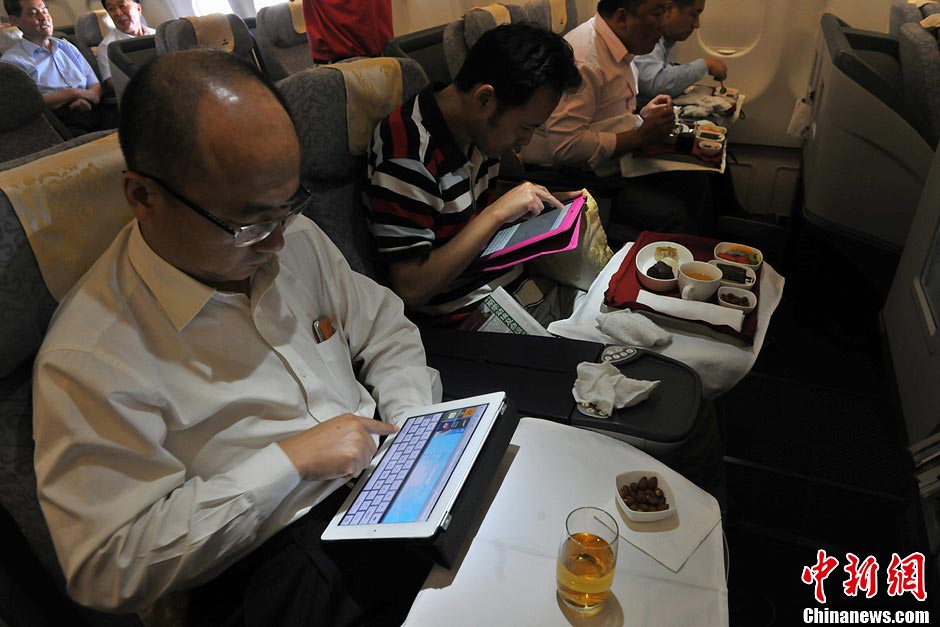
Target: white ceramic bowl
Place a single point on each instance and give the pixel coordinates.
(646, 258)
(709, 148)
(749, 296)
(753, 261)
(627, 478)
(750, 277)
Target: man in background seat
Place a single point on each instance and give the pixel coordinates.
(188, 420)
(67, 83)
(126, 15)
(433, 165)
(595, 126)
(658, 71)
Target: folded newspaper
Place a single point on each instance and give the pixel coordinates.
(501, 313)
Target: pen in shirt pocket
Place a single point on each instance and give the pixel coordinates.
(323, 329)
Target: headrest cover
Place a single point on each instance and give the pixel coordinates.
(9, 35)
(213, 31)
(559, 15)
(920, 3)
(71, 205)
(373, 90)
(297, 16)
(931, 21)
(105, 23)
(499, 13)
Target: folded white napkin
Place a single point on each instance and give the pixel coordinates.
(604, 386)
(632, 329)
(692, 309)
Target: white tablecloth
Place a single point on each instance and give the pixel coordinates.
(507, 573)
(720, 364)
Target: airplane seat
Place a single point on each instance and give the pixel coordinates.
(92, 27)
(902, 12)
(920, 63)
(427, 48)
(559, 16)
(282, 37)
(460, 35)
(26, 126)
(127, 56)
(864, 162)
(216, 31)
(334, 122)
(57, 215)
(9, 35)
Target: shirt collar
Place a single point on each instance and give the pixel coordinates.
(434, 121)
(616, 47)
(180, 295)
(32, 48)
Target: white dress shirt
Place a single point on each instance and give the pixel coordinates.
(104, 62)
(159, 401)
(572, 135)
(660, 74)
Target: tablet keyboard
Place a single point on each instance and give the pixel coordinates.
(373, 501)
(499, 241)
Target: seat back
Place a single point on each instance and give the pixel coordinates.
(334, 121)
(282, 37)
(427, 48)
(920, 63)
(901, 12)
(460, 35)
(217, 31)
(24, 128)
(9, 35)
(127, 56)
(57, 215)
(92, 27)
(559, 16)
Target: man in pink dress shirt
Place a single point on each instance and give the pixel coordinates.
(593, 127)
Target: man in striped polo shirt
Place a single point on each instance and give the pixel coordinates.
(433, 166)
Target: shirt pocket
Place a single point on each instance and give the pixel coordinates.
(333, 389)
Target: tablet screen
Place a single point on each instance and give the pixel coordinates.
(414, 470)
(545, 222)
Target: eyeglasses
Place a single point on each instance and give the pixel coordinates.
(250, 233)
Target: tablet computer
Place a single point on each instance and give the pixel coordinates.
(547, 224)
(410, 487)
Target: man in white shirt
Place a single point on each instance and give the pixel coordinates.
(126, 15)
(185, 413)
(658, 71)
(596, 125)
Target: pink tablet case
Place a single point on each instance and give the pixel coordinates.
(572, 217)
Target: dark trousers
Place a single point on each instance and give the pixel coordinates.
(296, 579)
(100, 118)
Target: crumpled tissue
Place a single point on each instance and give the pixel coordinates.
(606, 388)
(632, 329)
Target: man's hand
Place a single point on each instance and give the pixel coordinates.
(524, 200)
(716, 68)
(340, 447)
(658, 120)
(80, 104)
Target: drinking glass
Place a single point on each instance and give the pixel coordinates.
(587, 558)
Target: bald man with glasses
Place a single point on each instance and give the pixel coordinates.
(208, 387)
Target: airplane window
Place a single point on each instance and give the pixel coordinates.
(727, 30)
(205, 7)
(930, 279)
(260, 4)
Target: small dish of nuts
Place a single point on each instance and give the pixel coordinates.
(644, 496)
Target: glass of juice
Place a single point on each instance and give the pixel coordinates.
(587, 558)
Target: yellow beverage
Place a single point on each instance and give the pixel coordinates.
(585, 572)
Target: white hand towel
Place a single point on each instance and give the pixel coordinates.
(606, 388)
(632, 329)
